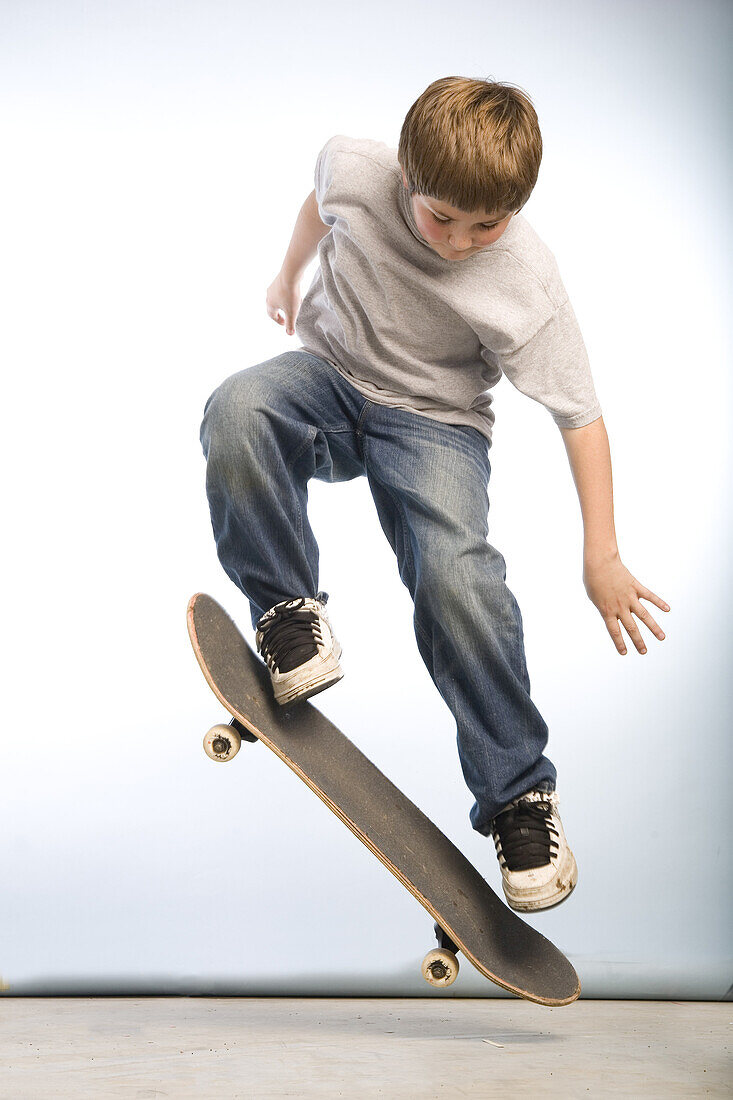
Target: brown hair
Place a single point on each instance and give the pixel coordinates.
(474, 144)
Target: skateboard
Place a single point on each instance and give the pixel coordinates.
(468, 915)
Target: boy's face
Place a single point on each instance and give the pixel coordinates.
(455, 234)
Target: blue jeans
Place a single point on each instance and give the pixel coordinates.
(268, 429)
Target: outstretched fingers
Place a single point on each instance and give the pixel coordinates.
(615, 621)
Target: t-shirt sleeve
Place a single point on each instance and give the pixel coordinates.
(323, 175)
(552, 368)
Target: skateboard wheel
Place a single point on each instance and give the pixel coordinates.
(440, 967)
(222, 743)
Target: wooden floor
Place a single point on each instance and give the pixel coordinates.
(208, 1048)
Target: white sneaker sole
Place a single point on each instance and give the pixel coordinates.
(292, 690)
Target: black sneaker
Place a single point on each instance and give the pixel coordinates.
(298, 646)
(538, 869)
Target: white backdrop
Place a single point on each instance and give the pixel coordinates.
(155, 158)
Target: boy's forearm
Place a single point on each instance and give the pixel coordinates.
(590, 461)
(309, 230)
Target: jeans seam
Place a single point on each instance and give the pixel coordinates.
(290, 463)
(423, 634)
(405, 531)
(397, 503)
(365, 408)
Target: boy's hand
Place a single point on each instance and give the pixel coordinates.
(283, 296)
(616, 594)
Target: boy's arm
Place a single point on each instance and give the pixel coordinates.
(590, 462)
(309, 230)
(283, 294)
(609, 584)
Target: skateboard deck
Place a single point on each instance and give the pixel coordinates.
(469, 916)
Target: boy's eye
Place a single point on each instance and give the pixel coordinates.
(443, 221)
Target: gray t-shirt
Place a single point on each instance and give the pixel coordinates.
(412, 330)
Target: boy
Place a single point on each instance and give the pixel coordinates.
(430, 286)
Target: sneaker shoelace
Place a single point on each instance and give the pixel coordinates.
(525, 833)
(290, 637)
